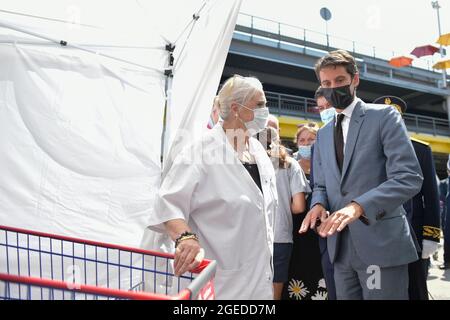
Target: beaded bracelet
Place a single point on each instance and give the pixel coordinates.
(185, 236)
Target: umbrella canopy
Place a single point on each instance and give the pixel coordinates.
(401, 61)
(422, 51)
(444, 39)
(441, 65)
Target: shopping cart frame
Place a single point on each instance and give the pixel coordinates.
(206, 271)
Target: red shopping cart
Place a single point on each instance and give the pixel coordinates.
(42, 266)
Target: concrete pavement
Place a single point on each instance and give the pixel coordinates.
(438, 280)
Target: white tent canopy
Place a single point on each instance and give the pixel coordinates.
(81, 132)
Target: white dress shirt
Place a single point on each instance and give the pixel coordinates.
(347, 112)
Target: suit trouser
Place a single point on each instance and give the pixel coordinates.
(356, 280)
(418, 270)
(327, 269)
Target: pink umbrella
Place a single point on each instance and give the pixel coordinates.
(427, 50)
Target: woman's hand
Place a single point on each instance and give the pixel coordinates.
(188, 256)
(188, 253)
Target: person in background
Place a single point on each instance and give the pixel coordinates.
(442, 193)
(327, 114)
(305, 138)
(422, 211)
(274, 123)
(445, 198)
(214, 116)
(305, 270)
(291, 187)
(220, 196)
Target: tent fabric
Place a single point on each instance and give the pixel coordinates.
(80, 135)
(190, 109)
(76, 155)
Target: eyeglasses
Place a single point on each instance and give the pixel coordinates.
(309, 124)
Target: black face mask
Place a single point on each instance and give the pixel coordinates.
(339, 97)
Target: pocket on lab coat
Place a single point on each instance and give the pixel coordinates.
(232, 283)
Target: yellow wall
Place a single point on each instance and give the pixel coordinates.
(441, 144)
(288, 126)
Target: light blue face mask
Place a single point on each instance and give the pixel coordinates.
(327, 115)
(304, 152)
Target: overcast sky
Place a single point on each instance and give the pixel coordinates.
(390, 25)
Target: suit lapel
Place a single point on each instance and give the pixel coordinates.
(356, 121)
(329, 149)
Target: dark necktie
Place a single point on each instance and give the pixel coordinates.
(339, 141)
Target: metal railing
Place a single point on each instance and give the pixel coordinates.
(425, 124)
(291, 105)
(286, 33)
(306, 108)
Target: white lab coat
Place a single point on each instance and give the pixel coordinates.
(219, 200)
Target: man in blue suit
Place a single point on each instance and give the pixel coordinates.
(364, 170)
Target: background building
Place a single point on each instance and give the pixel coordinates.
(283, 56)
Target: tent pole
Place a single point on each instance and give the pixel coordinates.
(84, 45)
(66, 44)
(169, 74)
(170, 47)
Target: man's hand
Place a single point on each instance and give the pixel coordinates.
(187, 256)
(317, 212)
(339, 219)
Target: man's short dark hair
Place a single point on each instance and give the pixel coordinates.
(319, 93)
(335, 59)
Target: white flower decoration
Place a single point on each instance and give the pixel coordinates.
(297, 289)
(320, 295)
(322, 284)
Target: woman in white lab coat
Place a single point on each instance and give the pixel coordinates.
(220, 195)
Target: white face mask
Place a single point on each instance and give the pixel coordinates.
(259, 122)
(327, 115)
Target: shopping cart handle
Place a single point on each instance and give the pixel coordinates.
(201, 266)
(205, 278)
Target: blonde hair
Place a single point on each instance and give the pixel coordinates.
(236, 89)
(310, 126)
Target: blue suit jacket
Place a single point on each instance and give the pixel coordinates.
(380, 172)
